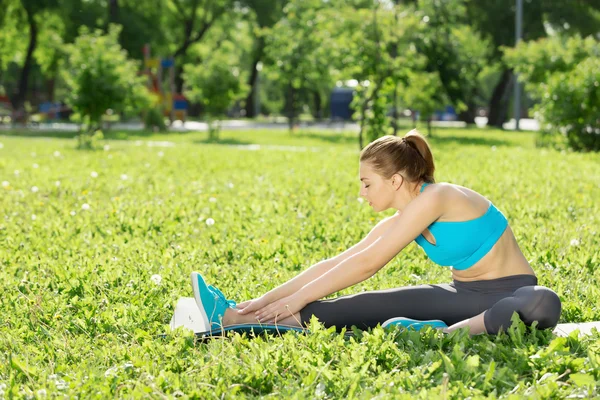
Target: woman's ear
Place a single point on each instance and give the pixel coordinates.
(397, 178)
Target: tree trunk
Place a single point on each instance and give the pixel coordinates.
(469, 114)
(499, 102)
(291, 106)
(317, 112)
(395, 111)
(19, 98)
(429, 133)
(113, 11)
(258, 54)
(50, 84)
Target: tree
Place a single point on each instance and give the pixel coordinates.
(563, 74)
(496, 21)
(101, 77)
(188, 23)
(266, 13)
(32, 9)
(298, 52)
(217, 83)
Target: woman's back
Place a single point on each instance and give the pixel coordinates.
(474, 212)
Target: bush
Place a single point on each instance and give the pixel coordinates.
(155, 119)
(564, 76)
(99, 77)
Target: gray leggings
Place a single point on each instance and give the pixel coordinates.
(451, 303)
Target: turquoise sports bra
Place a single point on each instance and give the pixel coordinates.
(461, 244)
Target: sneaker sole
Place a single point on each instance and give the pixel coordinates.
(194, 276)
(436, 323)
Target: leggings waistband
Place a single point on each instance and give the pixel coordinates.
(498, 284)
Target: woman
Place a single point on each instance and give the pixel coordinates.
(455, 226)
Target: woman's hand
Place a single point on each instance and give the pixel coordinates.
(281, 309)
(252, 305)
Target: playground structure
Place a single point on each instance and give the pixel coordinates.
(174, 105)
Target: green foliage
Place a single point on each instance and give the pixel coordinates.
(218, 82)
(86, 141)
(81, 315)
(154, 119)
(563, 74)
(453, 49)
(100, 77)
(298, 52)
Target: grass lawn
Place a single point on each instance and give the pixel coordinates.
(83, 232)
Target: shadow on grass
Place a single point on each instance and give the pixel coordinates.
(338, 138)
(225, 141)
(462, 140)
(109, 135)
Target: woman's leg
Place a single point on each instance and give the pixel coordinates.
(367, 309)
(532, 303)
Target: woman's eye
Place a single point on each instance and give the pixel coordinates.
(366, 186)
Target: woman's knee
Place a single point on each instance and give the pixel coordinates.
(532, 303)
(539, 303)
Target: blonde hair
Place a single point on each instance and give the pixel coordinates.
(409, 155)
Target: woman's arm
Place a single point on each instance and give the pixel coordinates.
(322, 267)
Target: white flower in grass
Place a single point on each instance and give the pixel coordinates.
(5, 183)
(41, 393)
(230, 185)
(212, 200)
(106, 147)
(494, 148)
(124, 177)
(17, 172)
(575, 242)
(210, 221)
(360, 200)
(61, 384)
(57, 183)
(94, 174)
(72, 213)
(156, 279)
(57, 153)
(1, 146)
(35, 166)
(161, 154)
(147, 165)
(85, 206)
(33, 217)
(34, 189)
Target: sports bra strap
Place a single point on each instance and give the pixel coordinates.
(424, 185)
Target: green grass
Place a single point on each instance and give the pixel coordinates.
(80, 315)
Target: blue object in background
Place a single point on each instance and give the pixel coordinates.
(341, 97)
(180, 104)
(448, 114)
(166, 62)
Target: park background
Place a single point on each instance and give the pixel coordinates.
(142, 140)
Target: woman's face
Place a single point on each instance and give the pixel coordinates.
(383, 194)
(378, 191)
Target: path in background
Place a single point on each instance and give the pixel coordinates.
(178, 126)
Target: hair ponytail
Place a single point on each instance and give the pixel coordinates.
(410, 155)
(419, 142)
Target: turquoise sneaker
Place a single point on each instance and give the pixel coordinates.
(211, 302)
(414, 323)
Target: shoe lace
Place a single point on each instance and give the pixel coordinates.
(221, 296)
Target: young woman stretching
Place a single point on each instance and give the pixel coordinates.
(454, 225)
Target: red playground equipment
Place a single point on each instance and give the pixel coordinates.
(174, 105)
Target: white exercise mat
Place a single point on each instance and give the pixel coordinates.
(187, 315)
